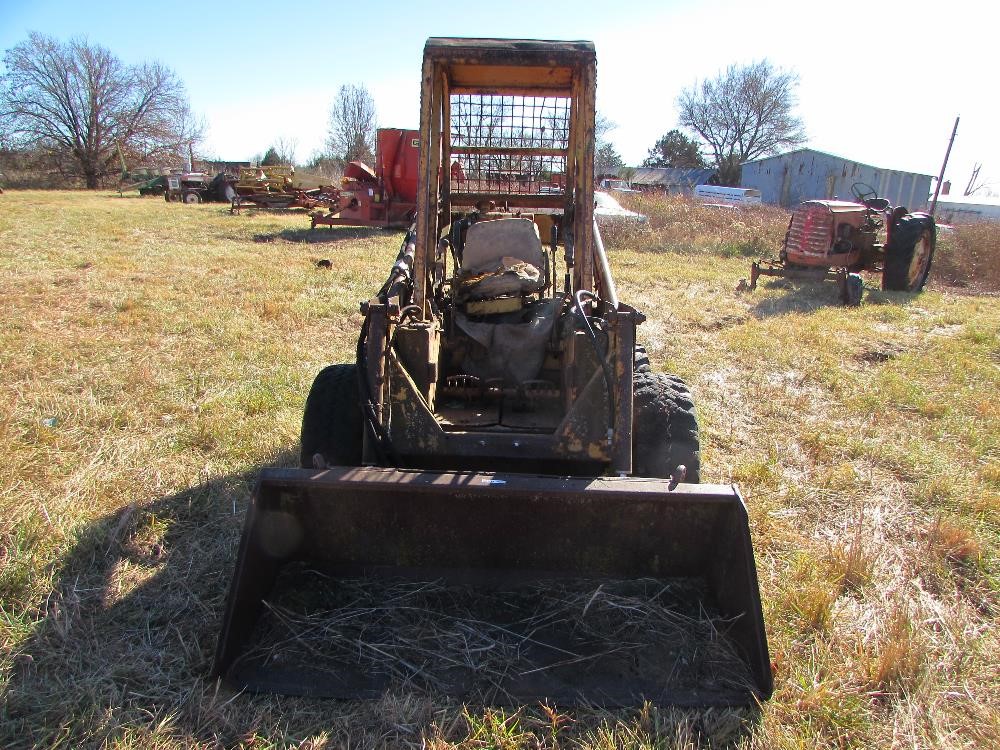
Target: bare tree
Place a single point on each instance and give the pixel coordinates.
(743, 113)
(80, 103)
(286, 148)
(602, 126)
(351, 134)
(606, 158)
(975, 184)
(188, 130)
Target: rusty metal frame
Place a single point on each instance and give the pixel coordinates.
(367, 521)
(832, 266)
(440, 507)
(554, 68)
(552, 65)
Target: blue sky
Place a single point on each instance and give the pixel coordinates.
(880, 83)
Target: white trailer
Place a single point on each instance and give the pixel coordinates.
(727, 196)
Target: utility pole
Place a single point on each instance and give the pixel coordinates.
(937, 189)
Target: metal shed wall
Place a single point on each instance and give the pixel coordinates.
(961, 210)
(805, 174)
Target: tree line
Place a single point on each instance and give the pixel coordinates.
(81, 109)
(84, 112)
(75, 109)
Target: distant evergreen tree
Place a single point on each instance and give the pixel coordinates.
(271, 158)
(607, 160)
(675, 150)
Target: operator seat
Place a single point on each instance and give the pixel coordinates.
(503, 263)
(501, 257)
(488, 242)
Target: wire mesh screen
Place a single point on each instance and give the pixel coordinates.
(509, 144)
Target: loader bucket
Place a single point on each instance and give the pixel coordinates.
(505, 587)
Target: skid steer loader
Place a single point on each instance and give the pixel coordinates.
(499, 498)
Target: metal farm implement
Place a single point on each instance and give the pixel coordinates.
(839, 239)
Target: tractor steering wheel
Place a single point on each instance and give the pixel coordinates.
(863, 192)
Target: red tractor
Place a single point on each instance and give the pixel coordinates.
(833, 238)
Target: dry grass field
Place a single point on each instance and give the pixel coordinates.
(154, 356)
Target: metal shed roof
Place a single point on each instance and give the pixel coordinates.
(668, 176)
(831, 156)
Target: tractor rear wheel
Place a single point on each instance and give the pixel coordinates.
(664, 428)
(332, 423)
(909, 252)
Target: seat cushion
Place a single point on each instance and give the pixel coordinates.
(487, 243)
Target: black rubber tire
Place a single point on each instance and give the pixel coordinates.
(664, 427)
(331, 422)
(640, 360)
(909, 253)
(854, 289)
(192, 198)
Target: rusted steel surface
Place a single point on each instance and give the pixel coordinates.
(361, 210)
(623, 324)
(381, 197)
(579, 443)
(348, 522)
(276, 201)
(512, 200)
(535, 381)
(428, 191)
(800, 273)
(832, 238)
(505, 52)
(811, 230)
